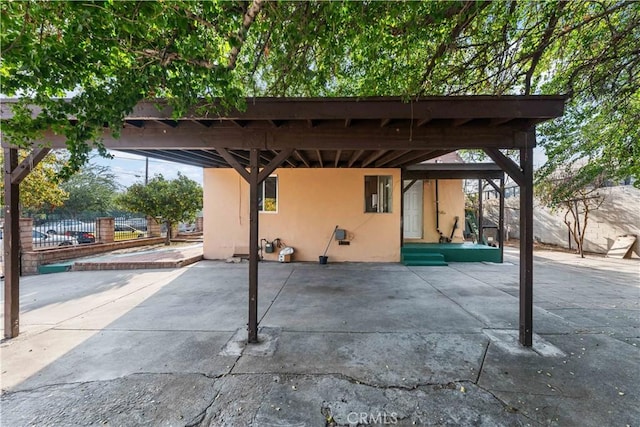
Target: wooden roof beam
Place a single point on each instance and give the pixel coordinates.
(191, 136)
(444, 107)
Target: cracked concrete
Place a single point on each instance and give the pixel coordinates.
(341, 345)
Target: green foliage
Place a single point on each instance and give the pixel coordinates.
(107, 56)
(40, 189)
(93, 189)
(169, 201)
(270, 204)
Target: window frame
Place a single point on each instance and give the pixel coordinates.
(382, 198)
(262, 188)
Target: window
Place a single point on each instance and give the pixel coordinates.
(377, 194)
(268, 195)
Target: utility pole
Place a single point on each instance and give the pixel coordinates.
(146, 171)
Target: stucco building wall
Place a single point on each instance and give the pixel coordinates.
(451, 204)
(311, 202)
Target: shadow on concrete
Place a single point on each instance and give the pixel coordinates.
(420, 345)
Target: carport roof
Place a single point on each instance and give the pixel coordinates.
(329, 132)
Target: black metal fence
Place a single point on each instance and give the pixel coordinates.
(67, 232)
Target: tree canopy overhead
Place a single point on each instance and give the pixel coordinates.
(107, 56)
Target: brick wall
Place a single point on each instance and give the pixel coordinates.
(106, 230)
(26, 234)
(33, 259)
(153, 227)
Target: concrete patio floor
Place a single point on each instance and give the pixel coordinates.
(341, 344)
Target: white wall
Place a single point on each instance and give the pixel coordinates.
(618, 215)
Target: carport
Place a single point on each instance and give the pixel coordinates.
(313, 133)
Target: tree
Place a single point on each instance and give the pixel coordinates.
(93, 189)
(578, 199)
(40, 189)
(108, 56)
(170, 201)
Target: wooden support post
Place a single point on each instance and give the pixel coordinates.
(501, 221)
(480, 214)
(402, 210)
(11, 246)
(526, 246)
(253, 244)
(254, 177)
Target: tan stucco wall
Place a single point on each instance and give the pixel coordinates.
(451, 205)
(311, 202)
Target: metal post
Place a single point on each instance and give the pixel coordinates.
(501, 221)
(526, 246)
(253, 244)
(480, 214)
(11, 247)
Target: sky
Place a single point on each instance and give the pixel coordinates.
(130, 168)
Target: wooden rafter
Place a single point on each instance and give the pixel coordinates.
(354, 157)
(424, 121)
(337, 161)
(319, 154)
(413, 155)
(383, 161)
(303, 158)
(373, 157)
(287, 160)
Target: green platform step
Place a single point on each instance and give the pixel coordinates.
(423, 259)
(55, 268)
(439, 254)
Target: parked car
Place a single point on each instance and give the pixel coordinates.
(184, 227)
(126, 232)
(137, 223)
(83, 237)
(62, 226)
(41, 240)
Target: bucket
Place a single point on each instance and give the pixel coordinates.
(323, 259)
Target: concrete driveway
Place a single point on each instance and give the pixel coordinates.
(341, 344)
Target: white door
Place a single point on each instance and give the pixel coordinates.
(413, 211)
